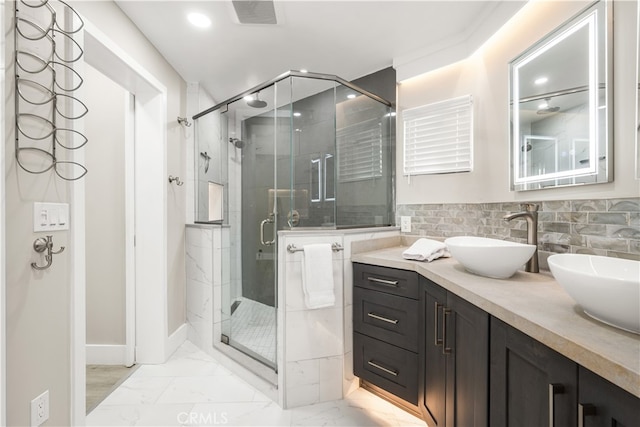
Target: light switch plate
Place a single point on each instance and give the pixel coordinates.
(50, 217)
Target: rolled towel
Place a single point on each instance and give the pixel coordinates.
(426, 250)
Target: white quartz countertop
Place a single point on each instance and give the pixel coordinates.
(534, 304)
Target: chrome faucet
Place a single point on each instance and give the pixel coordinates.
(530, 213)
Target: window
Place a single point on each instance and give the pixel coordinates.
(438, 137)
(360, 151)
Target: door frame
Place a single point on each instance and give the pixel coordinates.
(3, 374)
(146, 333)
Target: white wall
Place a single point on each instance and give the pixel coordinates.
(109, 19)
(37, 302)
(3, 371)
(485, 76)
(105, 209)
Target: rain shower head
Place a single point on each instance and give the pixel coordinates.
(546, 108)
(256, 102)
(237, 143)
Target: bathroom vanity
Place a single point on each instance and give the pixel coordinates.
(386, 331)
(490, 352)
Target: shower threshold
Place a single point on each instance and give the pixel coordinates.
(253, 330)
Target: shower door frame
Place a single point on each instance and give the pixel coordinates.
(293, 73)
(223, 107)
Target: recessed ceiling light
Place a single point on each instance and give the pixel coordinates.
(543, 106)
(351, 95)
(541, 80)
(199, 20)
(304, 70)
(296, 114)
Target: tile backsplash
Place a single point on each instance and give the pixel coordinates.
(609, 227)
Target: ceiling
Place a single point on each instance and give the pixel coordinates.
(347, 38)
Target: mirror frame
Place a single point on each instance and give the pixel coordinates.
(600, 164)
(638, 91)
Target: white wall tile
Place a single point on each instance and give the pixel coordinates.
(313, 333)
(331, 378)
(304, 372)
(199, 236)
(198, 264)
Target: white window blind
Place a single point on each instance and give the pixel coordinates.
(360, 151)
(438, 137)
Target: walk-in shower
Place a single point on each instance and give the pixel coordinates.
(303, 150)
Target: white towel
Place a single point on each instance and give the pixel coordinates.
(426, 250)
(317, 276)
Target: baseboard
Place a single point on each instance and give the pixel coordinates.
(176, 339)
(400, 403)
(101, 354)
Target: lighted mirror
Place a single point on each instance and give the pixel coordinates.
(561, 105)
(638, 92)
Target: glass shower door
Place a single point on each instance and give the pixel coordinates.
(250, 300)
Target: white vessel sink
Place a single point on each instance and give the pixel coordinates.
(608, 289)
(495, 258)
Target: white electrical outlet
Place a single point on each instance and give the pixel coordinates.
(405, 224)
(40, 409)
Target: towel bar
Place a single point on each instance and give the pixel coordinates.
(335, 247)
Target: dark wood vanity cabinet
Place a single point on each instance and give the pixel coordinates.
(444, 359)
(387, 332)
(603, 404)
(531, 385)
(455, 360)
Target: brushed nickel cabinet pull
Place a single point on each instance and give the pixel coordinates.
(384, 319)
(437, 340)
(585, 410)
(553, 390)
(445, 312)
(382, 368)
(393, 283)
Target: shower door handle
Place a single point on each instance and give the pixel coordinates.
(262, 224)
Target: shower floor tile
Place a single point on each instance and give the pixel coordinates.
(253, 325)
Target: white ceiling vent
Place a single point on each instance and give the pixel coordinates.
(255, 11)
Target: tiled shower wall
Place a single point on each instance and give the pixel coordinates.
(609, 227)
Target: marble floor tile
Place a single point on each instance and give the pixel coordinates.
(192, 389)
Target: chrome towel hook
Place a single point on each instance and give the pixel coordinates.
(175, 179)
(42, 244)
(183, 121)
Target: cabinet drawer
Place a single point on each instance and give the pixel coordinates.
(392, 368)
(386, 317)
(389, 280)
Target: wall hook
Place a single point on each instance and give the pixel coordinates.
(175, 179)
(42, 244)
(183, 121)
